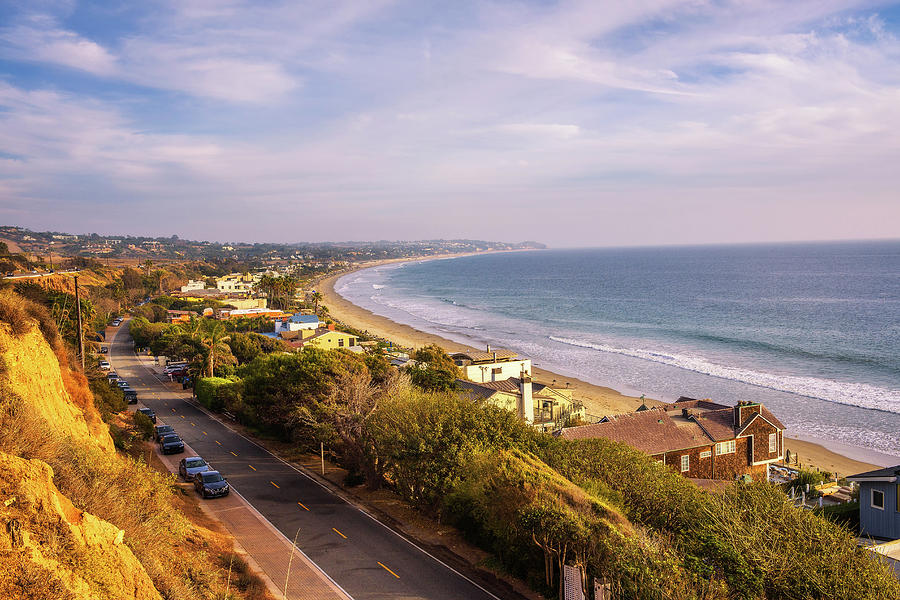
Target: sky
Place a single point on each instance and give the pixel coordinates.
(570, 123)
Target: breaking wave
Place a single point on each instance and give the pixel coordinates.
(829, 390)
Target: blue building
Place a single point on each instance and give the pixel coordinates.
(879, 502)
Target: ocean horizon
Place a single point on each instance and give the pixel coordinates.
(810, 329)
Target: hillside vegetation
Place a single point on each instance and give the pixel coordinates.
(538, 502)
(80, 520)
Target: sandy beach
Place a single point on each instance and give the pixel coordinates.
(598, 400)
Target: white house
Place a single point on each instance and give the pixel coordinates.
(298, 322)
(193, 285)
(491, 365)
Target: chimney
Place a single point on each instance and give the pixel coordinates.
(488, 347)
(737, 413)
(526, 400)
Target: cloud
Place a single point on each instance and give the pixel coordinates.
(375, 117)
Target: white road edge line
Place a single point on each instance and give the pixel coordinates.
(327, 489)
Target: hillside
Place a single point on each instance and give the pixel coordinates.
(81, 520)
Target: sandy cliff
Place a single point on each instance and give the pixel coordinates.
(48, 547)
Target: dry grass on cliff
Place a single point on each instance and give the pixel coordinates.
(183, 560)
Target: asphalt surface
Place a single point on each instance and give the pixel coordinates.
(364, 557)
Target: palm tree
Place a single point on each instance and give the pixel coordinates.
(147, 264)
(316, 298)
(214, 339)
(194, 328)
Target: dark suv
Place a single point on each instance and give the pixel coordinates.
(171, 444)
(162, 430)
(149, 412)
(211, 484)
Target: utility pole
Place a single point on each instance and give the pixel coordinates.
(80, 328)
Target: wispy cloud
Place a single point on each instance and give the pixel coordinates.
(372, 118)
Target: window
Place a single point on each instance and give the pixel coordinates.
(341, 343)
(705, 454)
(773, 443)
(497, 371)
(878, 499)
(685, 463)
(725, 447)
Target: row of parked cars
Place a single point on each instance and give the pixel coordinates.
(114, 380)
(208, 482)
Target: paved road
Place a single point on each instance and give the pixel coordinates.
(368, 560)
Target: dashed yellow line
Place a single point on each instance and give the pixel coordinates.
(193, 424)
(252, 467)
(303, 506)
(345, 537)
(218, 442)
(182, 416)
(275, 484)
(204, 433)
(388, 570)
(232, 453)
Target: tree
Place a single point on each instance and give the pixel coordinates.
(316, 298)
(217, 351)
(435, 371)
(147, 264)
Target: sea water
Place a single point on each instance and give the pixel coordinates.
(811, 330)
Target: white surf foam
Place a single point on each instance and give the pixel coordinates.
(854, 394)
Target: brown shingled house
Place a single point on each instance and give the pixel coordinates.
(699, 438)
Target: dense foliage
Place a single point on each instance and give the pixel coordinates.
(538, 502)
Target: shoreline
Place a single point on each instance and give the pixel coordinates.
(598, 400)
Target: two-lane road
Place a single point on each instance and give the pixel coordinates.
(363, 556)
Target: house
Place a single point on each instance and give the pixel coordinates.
(298, 322)
(545, 407)
(247, 302)
(491, 365)
(236, 283)
(879, 502)
(242, 313)
(698, 438)
(192, 285)
(180, 316)
(326, 339)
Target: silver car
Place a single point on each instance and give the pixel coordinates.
(190, 466)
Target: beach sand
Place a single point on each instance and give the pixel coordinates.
(598, 400)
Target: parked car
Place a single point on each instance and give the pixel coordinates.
(149, 412)
(111, 376)
(104, 365)
(211, 484)
(171, 444)
(104, 350)
(122, 384)
(189, 467)
(130, 395)
(161, 430)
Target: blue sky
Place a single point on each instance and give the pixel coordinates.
(574, 123)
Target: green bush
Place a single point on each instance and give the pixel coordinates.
(109, 400)
(144, 425)
(216, 393)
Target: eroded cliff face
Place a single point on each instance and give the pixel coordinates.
(55, 550)
(48, 547)
(61, 399)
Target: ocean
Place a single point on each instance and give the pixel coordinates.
(811, 330)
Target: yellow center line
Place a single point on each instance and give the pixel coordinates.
(233, 453)
(218, 442)
(251, 466)
(204, 433)
(345, 537)
(182, 416)
(193, 424)
(388, 570)
(303, 506)
(275, 484)
(173, 410)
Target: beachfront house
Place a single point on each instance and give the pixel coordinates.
(193, 285)
(700, 439)
(298, 322)
(491, 365)
(545, 407)
(328, 339)
(879, 502)
(249, 313)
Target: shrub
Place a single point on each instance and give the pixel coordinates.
(109, 400)
(144, 425)
(215, 393)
